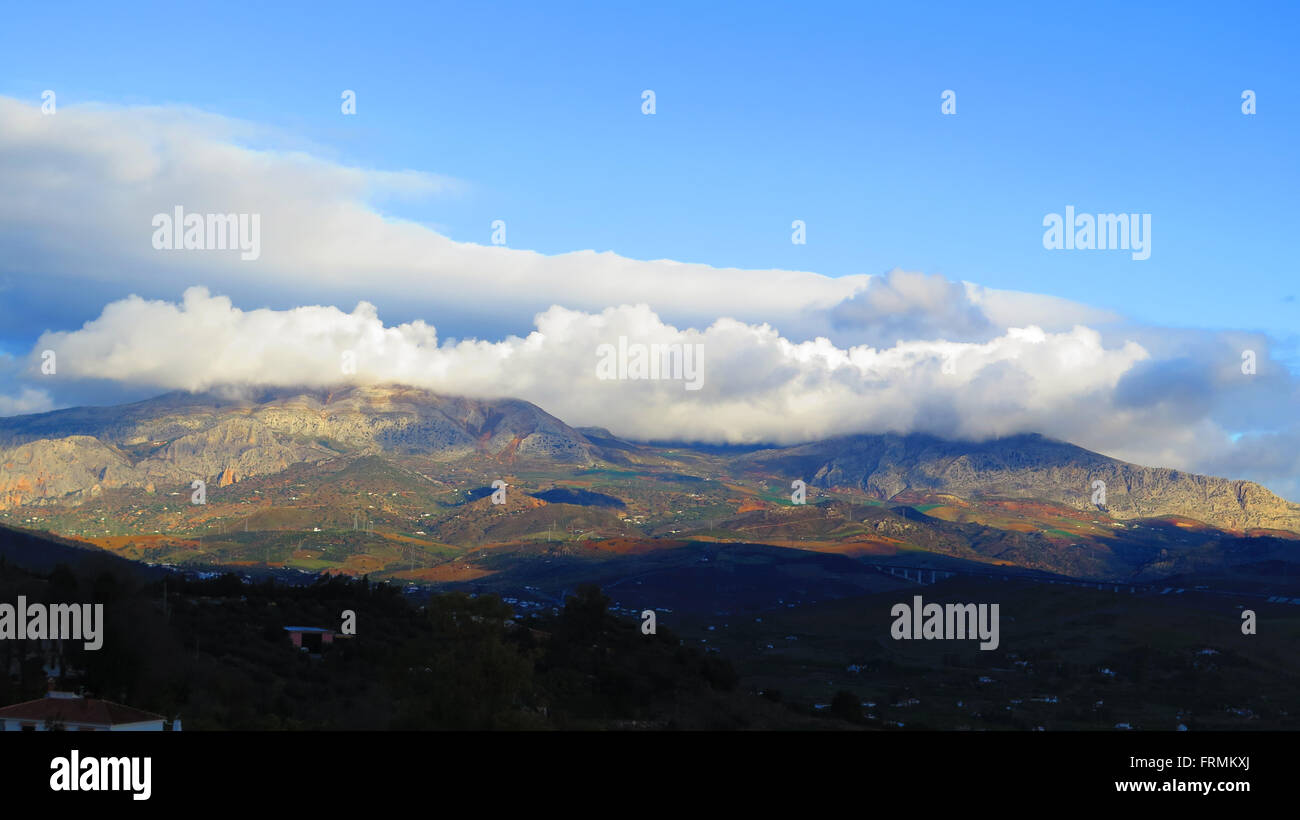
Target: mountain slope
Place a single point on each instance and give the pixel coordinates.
(71, 455)
(66, 455)
(1027, 466)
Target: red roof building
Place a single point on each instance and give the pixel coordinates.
(77, 714)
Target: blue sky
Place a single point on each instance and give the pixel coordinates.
(767, 114)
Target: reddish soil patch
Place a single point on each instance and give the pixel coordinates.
(445, 573)
(362, 564)
(633, 546)
(115, 543)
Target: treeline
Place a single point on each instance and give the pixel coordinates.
(215, 653)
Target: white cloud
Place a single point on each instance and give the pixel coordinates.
(757, 384)
(28, 400)
(78, 192)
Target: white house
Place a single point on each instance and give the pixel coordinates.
(77, 714)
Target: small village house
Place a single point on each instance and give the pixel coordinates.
(311, 638)
(74, 713)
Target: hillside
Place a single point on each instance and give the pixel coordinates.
(1031, 467)
(396, 480)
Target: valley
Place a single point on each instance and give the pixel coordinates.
(1123, 615)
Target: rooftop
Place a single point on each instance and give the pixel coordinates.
(66, 708)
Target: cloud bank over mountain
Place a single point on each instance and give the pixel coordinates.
(788, 356)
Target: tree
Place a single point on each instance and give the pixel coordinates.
(847, 706)
(63, 584)
(585, 613)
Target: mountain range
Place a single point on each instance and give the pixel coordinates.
(413, 469)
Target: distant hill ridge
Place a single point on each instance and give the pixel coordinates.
(1027, 466)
